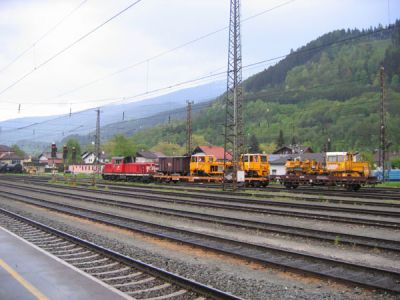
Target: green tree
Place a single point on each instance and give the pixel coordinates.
(254, 145)
(119, 145)
(199, 140)
(70, 144)
(268, 147)
(169, 149)
(395, 162)
(368, 157)
(294, 140)
(280, 142)
(18, 151)
(395, 81)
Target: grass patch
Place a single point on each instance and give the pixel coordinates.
(391, 201)
(392, 184)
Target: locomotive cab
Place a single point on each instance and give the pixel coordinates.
(201, 164)
(346, 164)
(255, 165)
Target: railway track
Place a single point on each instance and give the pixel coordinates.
(262, 199)
(355, 273)
(247, 194)
(134, 278)
(366, 193)
(324, 235)
(292, 209)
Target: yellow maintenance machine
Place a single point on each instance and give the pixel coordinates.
(345, 164)
(341, 164)
(338, 169)
(254, 165)
(298, 167)
(206, 165)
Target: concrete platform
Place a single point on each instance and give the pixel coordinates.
(27, 272)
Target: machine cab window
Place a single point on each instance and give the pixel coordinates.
(117, 161)
(336, 156)
(250, 158)
(129, 159)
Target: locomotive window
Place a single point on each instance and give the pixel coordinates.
(128, 159)
(264, 158)
(117, 161)
(255, 157)
(336, 158)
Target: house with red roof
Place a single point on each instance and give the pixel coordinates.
(216, 151)
(46, 159)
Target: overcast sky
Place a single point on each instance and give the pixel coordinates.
(135, 37)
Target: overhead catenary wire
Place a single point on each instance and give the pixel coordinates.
(168, 51)
(269, 61)
(43, 36)
(45, 62)
(247, 66)
(204, 104)
(221, 73)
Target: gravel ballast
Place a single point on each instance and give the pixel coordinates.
(246, 280)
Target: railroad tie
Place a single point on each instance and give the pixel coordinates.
(100, 267)
(172, 295)
(113, 271)
(90, 262)
(148, 279)
(124, 276)
(154, 288)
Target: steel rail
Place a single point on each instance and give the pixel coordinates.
(244, 208)
(189, 284)
(324, 235)
(245, 200)
(350, 272)
(373, 193)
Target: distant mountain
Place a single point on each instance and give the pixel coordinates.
(55, 128)
(327, 89)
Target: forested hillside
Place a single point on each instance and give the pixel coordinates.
(329, 88)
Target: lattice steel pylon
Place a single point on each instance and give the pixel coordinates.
(382, 127)
(189, 142)
(234, 136)
(97, 138)
(96, 160)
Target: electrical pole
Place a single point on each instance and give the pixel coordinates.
(382, 140)
(189, 143)
(97, 146)
(234, 137)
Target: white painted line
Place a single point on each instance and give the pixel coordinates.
(118, 292)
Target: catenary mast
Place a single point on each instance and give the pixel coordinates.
(234, 136)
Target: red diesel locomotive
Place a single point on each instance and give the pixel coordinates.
(126, 168)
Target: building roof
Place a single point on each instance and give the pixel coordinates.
(216, 151)
(86, 154)
(389, 155)
(277, 159)
(293, 149)
(4, 148)
(10, 156)
(149, 154)
(48, 155)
